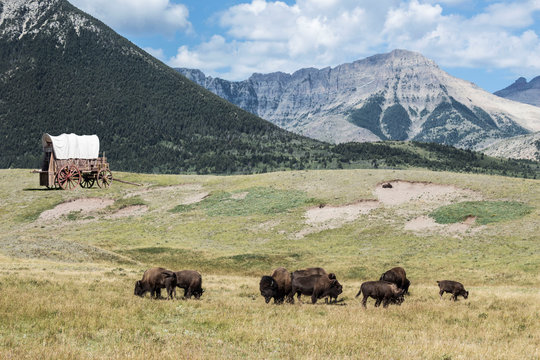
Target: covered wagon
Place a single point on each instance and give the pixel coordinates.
(71, 160)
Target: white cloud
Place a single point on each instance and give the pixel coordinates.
(139, 16)
(267, 36)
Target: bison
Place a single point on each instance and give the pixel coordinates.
(308, 272)
(190, 281)
(453, 287)
(283, 281)
(318, 286)
(387, 186)
(397, 276)
(269, 289)
(382, 291)
(154, 280)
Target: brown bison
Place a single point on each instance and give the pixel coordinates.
(397, 276)
(308, 272)
(269, 289)
(382, 291)
(191, 282)
(318, 286)
(387, 186)
(154, 280)
(283, 281)
(453, 287)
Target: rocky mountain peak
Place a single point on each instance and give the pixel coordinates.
(400, 95)
(523, 91)
(28, 18)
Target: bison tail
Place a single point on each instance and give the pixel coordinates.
(359, 292)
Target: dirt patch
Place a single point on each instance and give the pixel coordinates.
(194, 198)
(134, 210)
(240, 195)
(84, 206)
(403, 192)
(426, 224)
(333, 217)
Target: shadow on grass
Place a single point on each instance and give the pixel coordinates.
(41, 189)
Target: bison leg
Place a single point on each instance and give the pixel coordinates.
(441, 293)
(290, 297)
(455, 295)
(385, 302)
(364, 300)
(189, 293)
(378, 302)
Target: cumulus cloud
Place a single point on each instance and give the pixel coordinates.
(139, 16)
(266, 36)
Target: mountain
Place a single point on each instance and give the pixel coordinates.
(62, 70)
(523, 91)
(518, 147)
(400, 95)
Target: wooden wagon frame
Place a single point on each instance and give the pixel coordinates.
(69, 173)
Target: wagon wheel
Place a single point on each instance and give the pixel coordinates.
(68, 177)
(87, 181)
(104, 178)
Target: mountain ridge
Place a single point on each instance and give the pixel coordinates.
(322, 103)
(522, 91)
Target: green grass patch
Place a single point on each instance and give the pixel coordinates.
(253, 201)
(485, 211)
(126, 202)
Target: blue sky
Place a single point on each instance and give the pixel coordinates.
(490, 43)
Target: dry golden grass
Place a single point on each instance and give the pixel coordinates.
(56, 312)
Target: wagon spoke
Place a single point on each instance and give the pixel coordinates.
(69, 177)
(105, 178)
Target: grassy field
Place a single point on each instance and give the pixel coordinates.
(66, 281)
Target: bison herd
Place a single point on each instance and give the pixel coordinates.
(283, 285)
(155, 279)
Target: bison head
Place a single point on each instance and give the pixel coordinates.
(336, 287)
(465, 294)
(268, 288)
(198, 293)
(139, 290)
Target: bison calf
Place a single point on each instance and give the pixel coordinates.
(382, 291)
(453, 287)
(154, 280)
